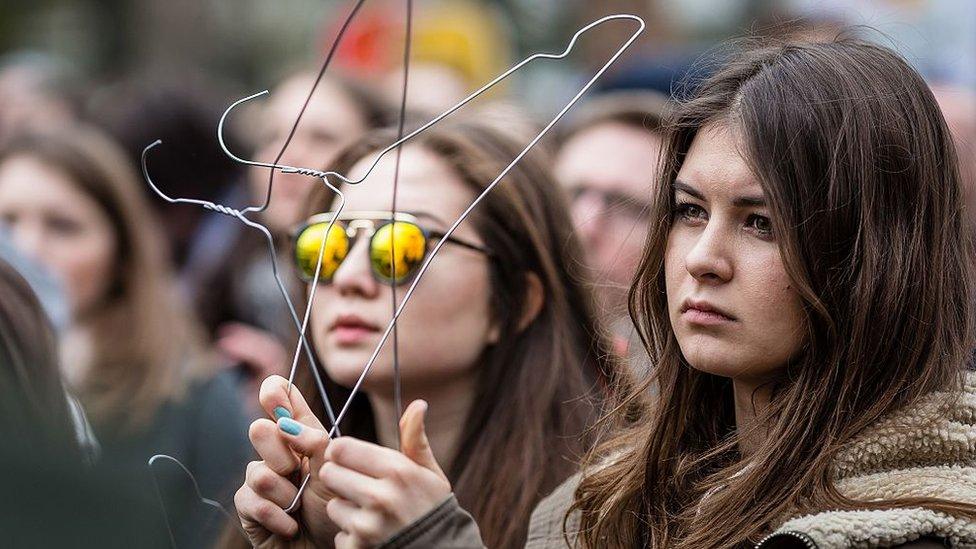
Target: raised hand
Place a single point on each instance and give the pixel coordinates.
(289, 447)
(379, 491)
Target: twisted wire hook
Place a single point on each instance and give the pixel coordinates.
(241, 216)
(440, 243)
(276, 273)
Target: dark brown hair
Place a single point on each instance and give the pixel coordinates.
(542, 385)
(35, 417)
(146, 345)
(860, 174)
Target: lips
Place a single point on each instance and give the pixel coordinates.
(702, 312)
(351, 329)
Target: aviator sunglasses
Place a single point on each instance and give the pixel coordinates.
(400, 232)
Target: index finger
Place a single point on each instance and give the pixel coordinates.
(364, 457)
(279, 402)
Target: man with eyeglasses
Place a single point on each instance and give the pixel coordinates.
(607, 161)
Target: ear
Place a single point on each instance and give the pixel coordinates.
(535, 298)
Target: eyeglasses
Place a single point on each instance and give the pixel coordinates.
(388, 234)
(612, 203)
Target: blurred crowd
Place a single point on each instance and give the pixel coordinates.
(134, 326)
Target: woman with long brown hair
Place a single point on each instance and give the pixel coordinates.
(806, 299)
(131, 353)
(499, 337)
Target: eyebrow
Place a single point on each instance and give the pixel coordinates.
(687, 189)
(427, 215)
(739, 202)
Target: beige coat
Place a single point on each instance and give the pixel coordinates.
(926, 451)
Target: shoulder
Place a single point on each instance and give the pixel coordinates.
(216, 403)
(546, 525)
(927, 451)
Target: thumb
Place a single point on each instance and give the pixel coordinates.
(413, 438)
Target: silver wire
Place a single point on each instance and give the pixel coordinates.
(300, 326)
(241, 216)
(324, 176)
(397, 386)
(196, 487)
(480, 197)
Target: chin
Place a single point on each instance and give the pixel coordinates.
(713, 357)
(346, 371)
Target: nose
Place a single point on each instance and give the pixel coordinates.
(708, 259)
(29, 239)
(589, 216)
(354, 277)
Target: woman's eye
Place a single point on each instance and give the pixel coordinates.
(761, 224)
(63, 225)
(689, 212)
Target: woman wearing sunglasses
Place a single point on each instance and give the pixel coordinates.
(499, 338)
(806, 297)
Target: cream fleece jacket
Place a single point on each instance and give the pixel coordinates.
(928, 450)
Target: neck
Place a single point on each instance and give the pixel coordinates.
(751, 400)
(449, 404)
(76, 354)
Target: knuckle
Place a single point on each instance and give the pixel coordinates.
(259, 431)
(265, 480)
(380, 500)
(336, 450)
(366, 526)
(401, 473)
(249, 470)
(327, 470)
(264, 511)
(241, 497)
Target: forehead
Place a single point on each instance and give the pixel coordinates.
(25, 179)
(714, 163)
(329, 106)
(583, 158)
(425, 184)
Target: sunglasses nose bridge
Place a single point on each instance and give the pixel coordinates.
(354, 273)
(359, 227)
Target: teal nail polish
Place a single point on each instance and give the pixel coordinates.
(289, 426)
(281, 411)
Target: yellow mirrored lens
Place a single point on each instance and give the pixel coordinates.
(307, 250)
(397, 249)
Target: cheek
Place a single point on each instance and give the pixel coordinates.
(674, 269)
(316, 333)
(87, 268)
(625, 249)
(775, 319)
(446, 325)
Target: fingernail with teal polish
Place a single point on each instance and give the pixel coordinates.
(289, 426)
(281, 411)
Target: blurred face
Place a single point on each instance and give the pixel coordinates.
(52, 220)
(730, 301)
(608, 170)
(25, 104)
(330, 122)
(446, 325)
